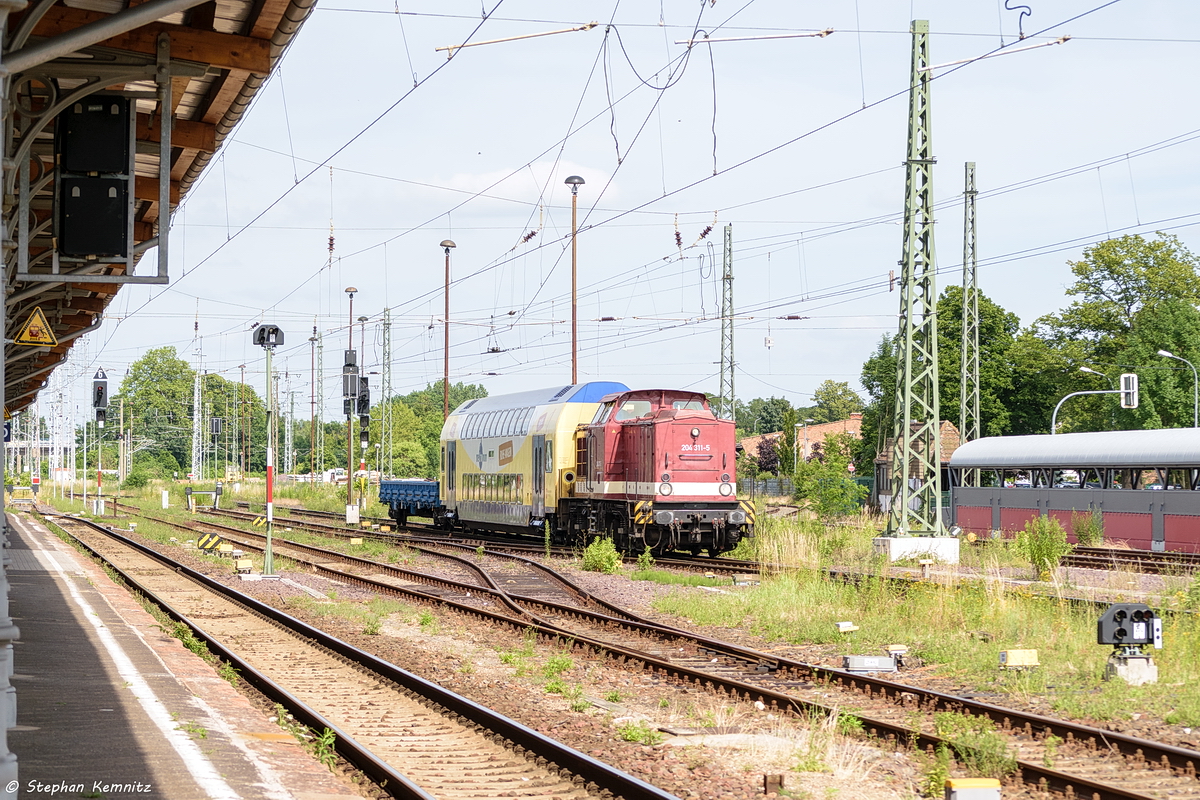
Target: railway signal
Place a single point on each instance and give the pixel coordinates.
(100, 396)
(1129, 627)
(268, 337)
(1129, 390)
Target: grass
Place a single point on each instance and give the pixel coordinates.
(958, 627)
(672, 578)
(639, 731)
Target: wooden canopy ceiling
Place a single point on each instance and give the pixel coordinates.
(220, 53)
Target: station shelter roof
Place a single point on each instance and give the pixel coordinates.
(1169, 447)
(60, 51)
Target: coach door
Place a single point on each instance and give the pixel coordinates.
(451, 449)
(539, 476)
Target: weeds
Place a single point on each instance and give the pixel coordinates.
(602, 556)
(639, 731)
(323, 747)
(556, 665)
(645, 561)
(976, 744)
(1088, 527)
(936, 772)
(613, 696)
(1043, 543)
(1052, 744)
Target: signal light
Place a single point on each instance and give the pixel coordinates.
(1129, 390)
(100, 413)
(1129, 625)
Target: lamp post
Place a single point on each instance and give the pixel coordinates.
(312, 406)
(1195, 386)
(350, 290)
(574, 182)
(796, 448)
(1112, 417)
(447, 245)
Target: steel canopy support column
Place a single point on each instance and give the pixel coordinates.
(969, 423)
(8, 632)
(916, 505)
(727, 398)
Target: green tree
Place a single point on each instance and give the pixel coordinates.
(879, 380)
(1116, 279)
(997, 332)
(786, 447)
(834, 401)
(761, 416)
(157, 391)
(825, 481)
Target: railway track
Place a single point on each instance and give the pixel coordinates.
(408, 734)
(1092, 762)
(1147, 561)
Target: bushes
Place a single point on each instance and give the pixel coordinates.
(1043, 544)
(602, 556)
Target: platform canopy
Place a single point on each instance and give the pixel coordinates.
(187, 70)
(1170, 447)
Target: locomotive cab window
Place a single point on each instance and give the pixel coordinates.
(688, 405)
(632, 409)
(603, 413)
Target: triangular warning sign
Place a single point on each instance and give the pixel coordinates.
(37, 331)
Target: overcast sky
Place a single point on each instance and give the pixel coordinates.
(797, 143)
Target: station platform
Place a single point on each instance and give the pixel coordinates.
(110, 705)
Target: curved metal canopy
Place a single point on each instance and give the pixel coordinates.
(189, 68)
(1170, 447)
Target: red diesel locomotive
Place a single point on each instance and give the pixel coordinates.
(655, 468)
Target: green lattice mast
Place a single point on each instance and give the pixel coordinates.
(969, 426)
(726, 401)
(916, 506)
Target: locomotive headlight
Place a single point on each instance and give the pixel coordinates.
(695, 433)
(737, 517)
(725, 489)
(724, 477)
(664, 489)
(666, 477)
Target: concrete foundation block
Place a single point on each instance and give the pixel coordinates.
(1134, 670)
(943, 549)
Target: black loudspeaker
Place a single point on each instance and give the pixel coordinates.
(93, 219)
(93, 135)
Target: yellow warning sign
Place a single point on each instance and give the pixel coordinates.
(37, 331)
(7, 415)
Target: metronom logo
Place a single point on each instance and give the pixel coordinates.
(505, 453)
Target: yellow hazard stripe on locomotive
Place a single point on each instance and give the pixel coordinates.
(747, 507)
(643, 512)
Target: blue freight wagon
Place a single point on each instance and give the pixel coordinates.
(410, 497)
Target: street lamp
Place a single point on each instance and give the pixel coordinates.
(268, 337)
(446, 245)
(1101, 374)
(1195, 386)
(574, 182)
